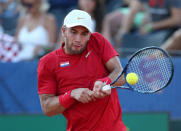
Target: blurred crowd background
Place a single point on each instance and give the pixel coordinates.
(31, 28)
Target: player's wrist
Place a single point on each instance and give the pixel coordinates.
(105, 80)
(66, 100)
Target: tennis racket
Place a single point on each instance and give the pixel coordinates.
(154, 68)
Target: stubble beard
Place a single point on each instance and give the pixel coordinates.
(74, 52)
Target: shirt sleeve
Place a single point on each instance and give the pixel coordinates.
(46, 78)
(107, 50)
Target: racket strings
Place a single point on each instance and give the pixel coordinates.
(153, 68)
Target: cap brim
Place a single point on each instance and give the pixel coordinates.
(73, 25)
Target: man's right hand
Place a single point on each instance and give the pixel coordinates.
(83, 95)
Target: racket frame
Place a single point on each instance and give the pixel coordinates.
(130, 59)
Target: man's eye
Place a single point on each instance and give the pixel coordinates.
(84, 34)
(73, 32)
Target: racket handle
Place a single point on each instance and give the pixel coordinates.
(106, 87)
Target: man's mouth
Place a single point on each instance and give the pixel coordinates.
(77, 45)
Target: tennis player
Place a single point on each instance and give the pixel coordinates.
(70, 79)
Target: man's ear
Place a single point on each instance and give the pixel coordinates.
(63, 31)
(89, 36)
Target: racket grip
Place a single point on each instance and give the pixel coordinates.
(106, 87)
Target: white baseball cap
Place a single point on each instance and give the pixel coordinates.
(78, 18)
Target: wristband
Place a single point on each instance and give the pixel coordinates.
(105, 80)
(148, 28)
(66, 100)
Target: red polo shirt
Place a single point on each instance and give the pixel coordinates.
(59, 72)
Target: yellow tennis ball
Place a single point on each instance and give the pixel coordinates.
(132, 78)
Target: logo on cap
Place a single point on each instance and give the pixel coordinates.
(80, 18)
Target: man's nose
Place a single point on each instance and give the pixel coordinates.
(78, 38)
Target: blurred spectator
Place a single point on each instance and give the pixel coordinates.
(96, 9)
(111, 5)
(173, 43)
(113, 21)
(9, 13)
(160, 15)
(59, 8)
(36, 31)
(8, 8)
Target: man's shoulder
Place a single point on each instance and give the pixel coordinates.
(97, 42)
(96, 35)
(50, 57)
(97, 38)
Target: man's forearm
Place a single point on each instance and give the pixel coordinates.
(115, 68)
(114, 74)
(51, 105)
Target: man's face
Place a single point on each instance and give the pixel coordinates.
(75, 39)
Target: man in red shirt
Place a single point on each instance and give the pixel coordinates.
(70, 79)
